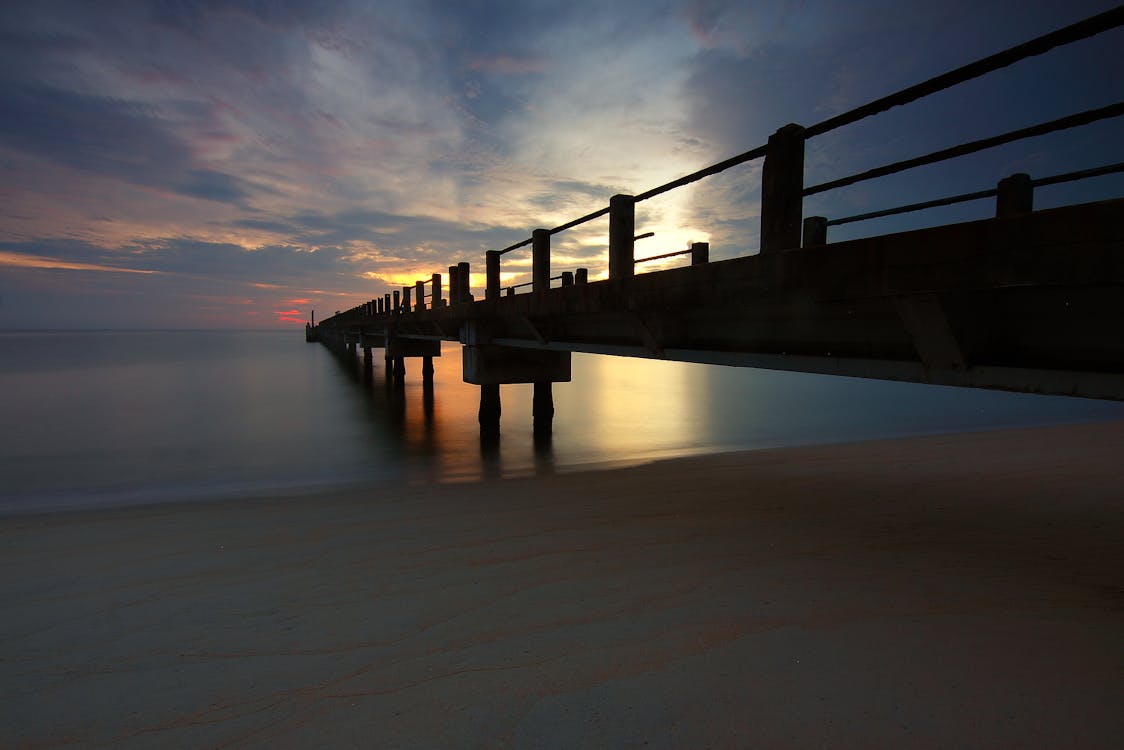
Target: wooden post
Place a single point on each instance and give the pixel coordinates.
(581, 276)
(511, 291)
(1015, 196)
(400, 370)
(540, 260)
(782, 187)
(567, 278)
(815, 231)
(386, 308)
(700, 253)
(406, 292)
(435, 300)
(427, 369)
(397, 300)
(492, 275)
(419, 294)
(622, 230)
(464, 278)
(454, 286)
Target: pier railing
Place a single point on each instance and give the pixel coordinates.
(783, 226)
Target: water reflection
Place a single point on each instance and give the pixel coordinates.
(621, 411)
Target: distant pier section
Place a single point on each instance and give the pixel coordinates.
(1029, 300)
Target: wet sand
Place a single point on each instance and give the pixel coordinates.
(950, 591)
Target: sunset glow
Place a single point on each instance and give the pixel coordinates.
(313, 156)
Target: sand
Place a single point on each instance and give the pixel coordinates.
(953, 591)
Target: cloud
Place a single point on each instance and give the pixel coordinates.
(282, 151)
(27, 260)
(109, 137)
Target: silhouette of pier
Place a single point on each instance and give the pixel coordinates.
(1029, 300)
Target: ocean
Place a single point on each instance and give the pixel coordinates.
(109, 418)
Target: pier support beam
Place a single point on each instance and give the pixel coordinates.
(489, 414)
(487, 364)
(542, 411)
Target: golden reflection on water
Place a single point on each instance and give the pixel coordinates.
(635, 407)
(615, 410)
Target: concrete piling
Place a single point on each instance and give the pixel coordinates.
(542, 410)
(489, 413)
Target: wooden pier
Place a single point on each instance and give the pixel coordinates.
(1028, 301)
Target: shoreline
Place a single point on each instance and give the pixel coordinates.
(944, 590)
(64, 504)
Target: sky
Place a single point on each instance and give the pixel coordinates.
(240, 163)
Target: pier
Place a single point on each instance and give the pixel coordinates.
(1028, 300)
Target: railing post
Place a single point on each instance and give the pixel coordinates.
(700, 253)
(540, 260)
(581, 276)
(435, 296)
(454, 287)
(1015, 196)
(815, 231)
(622, 230)
(378, 306)
(567, 278)
(419, 292)
(492, 275)
(406, 292)
(464, 293)
(782, 187)
(397, 300)
(386, 308)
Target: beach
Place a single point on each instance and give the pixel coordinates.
(959, 590)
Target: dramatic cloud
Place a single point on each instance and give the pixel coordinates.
(240, 162)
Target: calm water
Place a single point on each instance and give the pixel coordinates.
(96, 418)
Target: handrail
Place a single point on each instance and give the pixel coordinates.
(908, 208)
(1079, 175)
(1062, 123)
(665, 255)
(980, 194)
